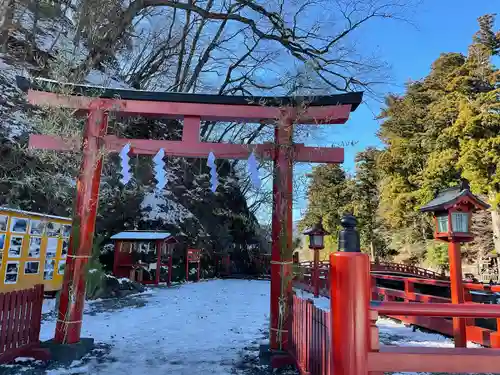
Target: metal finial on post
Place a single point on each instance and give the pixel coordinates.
(349, 236)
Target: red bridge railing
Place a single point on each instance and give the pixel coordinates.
(351, 336)
(20, 320)
(406, 269)
(306, 274)
(485, 334)
(391, 288)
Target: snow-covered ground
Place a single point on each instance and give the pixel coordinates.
(197, 328)
(212, 327)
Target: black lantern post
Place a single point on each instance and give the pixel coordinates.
(316, 243)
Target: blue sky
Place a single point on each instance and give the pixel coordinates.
(438, 26)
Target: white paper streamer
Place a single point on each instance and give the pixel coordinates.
(254, 171)
(125, 172)
(159, 168)
(213, 172)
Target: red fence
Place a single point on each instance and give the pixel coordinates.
(309, 341)
(20, 320)
(352, 340)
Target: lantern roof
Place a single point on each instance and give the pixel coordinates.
(316, 229)
(453, 195)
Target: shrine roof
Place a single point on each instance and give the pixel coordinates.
(47, 85)
(450, 196)
(141, 235)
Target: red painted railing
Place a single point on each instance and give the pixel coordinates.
(386, 268)
(305, 277)
(353, 340)
(406, 269)
(480, 335)
(309, 339)
(409, 291)
(20, 320)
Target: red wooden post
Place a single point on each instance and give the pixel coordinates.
(457, 292)
(169, 279)
(281, 234)
(373, 285)
(187, 265)
(158, 261)
(409, 288)
(116, 257)
(350, 319)
(72, 298)
(316, 272)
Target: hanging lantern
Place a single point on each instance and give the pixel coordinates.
(213, 172)
(125, 166)
(253, 171)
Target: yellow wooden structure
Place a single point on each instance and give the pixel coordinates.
(33, 249)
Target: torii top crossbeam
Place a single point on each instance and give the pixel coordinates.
(193, 108)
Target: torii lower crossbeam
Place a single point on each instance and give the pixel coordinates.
(192, 109)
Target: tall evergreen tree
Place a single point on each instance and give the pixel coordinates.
(366, 201)
(444, 127)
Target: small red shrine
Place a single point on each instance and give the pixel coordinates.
(140, 255)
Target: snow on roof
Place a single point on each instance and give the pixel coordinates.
(15, 210)
(139, 235)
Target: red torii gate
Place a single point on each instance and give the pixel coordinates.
(192, 108)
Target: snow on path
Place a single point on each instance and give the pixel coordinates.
(198, 328)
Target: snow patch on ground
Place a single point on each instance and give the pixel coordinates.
(49, 305)
(395, 333)
(13, 120)
(157, 207)
(198, 328)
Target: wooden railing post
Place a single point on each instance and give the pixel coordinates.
(308, 335)
(374, 292)
(409, 288)
(468, 298)
(374, 338)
